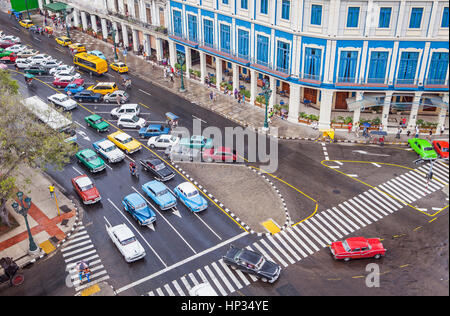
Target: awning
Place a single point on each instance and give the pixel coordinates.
(437, 102)
(56, 6)
(366, 102)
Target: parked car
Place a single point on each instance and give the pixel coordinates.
(157, 168)
(153, 130)
(223, 154)
(89, 158)
(66, 73)
(9, 59)
(160, 194)
(253, 263)
(6, 43)
(77, 48)
(39, 58)
(5, 52)
(130, 121)
(86, 189)
(35, 70)
(163, 141)
(49, 64)
(62, 67)
(197, 142)
(190, 197)
(104, 87)
(73, 88)
(17, 48)
(27, 53)
(112, 97)
(128, 245)
(108, 150)
(441, 148)
(12, 38)
(128, 108)
(423, 148)
(125, 142)
(119, 67)
(138, 208)
(87, 96)
(183, 153)
(97, 53)
(63, 40)
(96, 122)
(26, 23)
(64, 81)
(63, 101)
(356, 248)
(22, 63)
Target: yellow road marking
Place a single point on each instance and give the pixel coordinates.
(405, 265)
(47, 246)
(432, 220)
(90, 290)
(358, 277)
(271, 226)
(417, 228)
(144, 105)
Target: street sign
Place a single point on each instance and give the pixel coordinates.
(125, 52)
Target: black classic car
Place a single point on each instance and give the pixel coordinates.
(252, 263)
(158, 168)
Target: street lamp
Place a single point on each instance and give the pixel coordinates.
(181, 60)
(113, 34)
(25, 205)
(28, 12)
(267, 92)
(65, 19)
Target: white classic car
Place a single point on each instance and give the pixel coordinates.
(124, 239)
(108, 150)
(63, 101)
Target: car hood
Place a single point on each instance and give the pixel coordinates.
(90, 194)
(96, 162)
(166, 199)
(116, 153)
(197, 201)
(144, 213)
(69, 102)
(102, 125)
(337, 247)
(269, 268)
(132, 249)
(165, 172)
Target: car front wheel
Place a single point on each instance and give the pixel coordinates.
(347, 259)
(264, 280)
(377, 256)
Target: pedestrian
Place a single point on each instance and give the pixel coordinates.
(430, 134)
(408, 132)
(365, 131)
(269, 117)
(380, 128)
(165, 72)
(118, 99)
(87, 273)
(442, 129)
(214, 96)
(399, 131)
(171, 77)
(417, 132)
(350, 125)
(357, 129)
(404, 122)
(235, 93)
(211, 95)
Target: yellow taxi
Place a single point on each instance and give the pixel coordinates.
(125, 142)
(119, 67)
(63, 40)
(77, 47)
(103, 87)
(26, 23)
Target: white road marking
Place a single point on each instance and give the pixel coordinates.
(207, 226)
(78, 171)
(145, 92)
(197, 118)
(80, 125)
(376, 165)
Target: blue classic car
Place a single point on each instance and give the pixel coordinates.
(87, 96)
(97, 53)
(160, 193)
(138, 208)
(73, 88)
(190, 197)
(153, 130)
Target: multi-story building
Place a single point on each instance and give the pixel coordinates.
(335, 54)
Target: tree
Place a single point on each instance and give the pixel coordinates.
(24, 140)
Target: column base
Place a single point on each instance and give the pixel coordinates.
(182, 90)
(265, 130)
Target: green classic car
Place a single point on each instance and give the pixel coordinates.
(89, 158)
(422, 147)
(96, 122)
(4, 52)
(197, 142)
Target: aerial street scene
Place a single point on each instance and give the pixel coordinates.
(253, 151)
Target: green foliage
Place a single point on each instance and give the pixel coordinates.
(420, 122)
(245, 93)
(303, 115)
(7, 84)
(348, 119)
(178, 66)
(313, 117)
(376, 121)
(260, 99)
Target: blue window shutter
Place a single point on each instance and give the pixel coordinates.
(385, 17)
(444, 22)
(438, 68)
(408, 66)
(225, 38)
(244, 4)
(243, 44)
(311, 69)
(283, 56)
(285, 9)
(225, 1)
(347, 66)
(416, 18)
(208, 31)
(377, 67)
(262, 49)
(316, 14)
(192, 26)
(353, 17)
(264, 6)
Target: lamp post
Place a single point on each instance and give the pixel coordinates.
(113, 34)
(28, 12)
(267, 92)
(181, 60)
(65, 19)
(25, 205)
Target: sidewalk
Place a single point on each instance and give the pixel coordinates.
(49, 230)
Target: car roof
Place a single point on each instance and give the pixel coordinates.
(155, 126)
(123, 232)
(83, 181)
(135, 198)
(357, 242)
(122, 136)
(104, 84)
(224, 149)
(156, 185)
(187, 187)
(94, 117)
(105, 143)
(128, 106)
(88, 152)
(59, 95)
(126, 116)
(441, 142)
(65, 78)
(250, 256)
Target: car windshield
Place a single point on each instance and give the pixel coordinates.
(346, 246)
(127, 140)
(163, 192)
(64, 99)
(98, 121)
(91, 158)
(140, 206)
(260, 263)
(445, 149)
(87, 187)
(110, 148)
(135, 118)
(192, 194)
(159, 167)
(428, 148)
(128, 241)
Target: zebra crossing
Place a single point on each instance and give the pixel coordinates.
(80, 247)
(304, 239)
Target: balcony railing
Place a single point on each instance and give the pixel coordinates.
(346, 80)
(442, 82)
(376, 80)
(412, 82)
(310, 76)
(159, 29)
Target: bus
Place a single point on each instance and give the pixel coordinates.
(90, 63)
(51, 117)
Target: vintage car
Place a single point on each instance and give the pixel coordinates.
(422, 147)
(112, 97)
(125, 142)
(63, 81)
(197, 142)
(35, 70)
(5, 52)
(441, 148)
(138, 209)
(89, 158)
(63, 40)
(86, 189)
(73, 88)
(223, 154)
(96, 122)
(27, 53)
(153, 130)
(108, 150)
(63, 101)
(182, 153)
(103, 87)
(160, 194)
(9, 59)
(130, 121)
(190, 197)
(124, 239)
(119, 67)
(357, 248)
(157, 168)
(253, 263)
(60, 68)
(162, 141)
(26, 23)
(22, 63)
(97, 53)
(77, 48)
(87, 96)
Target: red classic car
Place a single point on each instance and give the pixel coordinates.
(62, 82)
(6, 43)
(9, 59)
(86, 189)
(357, 247)
(219, 154)
(441, 148)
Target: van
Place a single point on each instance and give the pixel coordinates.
(129, 108)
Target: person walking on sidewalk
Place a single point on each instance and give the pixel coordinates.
(399, 131)
(214, 96)
(417, 132)
(350, 125)
(171, 77)
(211, 95)
(357, 129)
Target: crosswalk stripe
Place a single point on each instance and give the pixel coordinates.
(394, 193)
(288, 248)
(185, 283)
(76, 245)
(169, 290)
(443, 174)
(358, 213)
(223, 278)
(71, 265)
(414, 196)
(280, 249)
(306, 229)
(89, 284)
(410, 187)
(178, 288)
(80, 256)
(193, 279)
(77, 251)
(91, 277)
(242, 276)
(285, 235)
(317, 223)
(352, 215)
(426, 171)
(330, 218)
(432, 185)
(413, 183)
(262, 251)
(319, 218)
(71, 241)
(151, 293)
(343, 217)
(215, 281)
(274, 253)
(371, 204)
(391, 202)
(79, 233)
(294, 235)
(364, 208)
(305, 238)
(442, 168)
(159, 291)
(230, 274)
